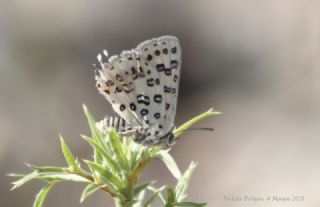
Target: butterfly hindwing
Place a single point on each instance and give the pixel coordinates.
(164, 57)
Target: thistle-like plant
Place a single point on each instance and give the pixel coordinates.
(115, 168)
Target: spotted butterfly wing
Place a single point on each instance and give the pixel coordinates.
(142, 87)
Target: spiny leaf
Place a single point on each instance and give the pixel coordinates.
(96, 134)
(24, 179)
(68, 155)
(170, 163)
(16, 175)
(154, 190)
(183, 182)
(127, 193)
(140, 199)
(41, 196)
(153, 197)
(108, 157)
(89, 190)
(151, 200)
(194, 120)
(47, 168)
(62, 177)
(140, 188)
(118, 150)
(108, 175)
(136, 152)
(170, 197)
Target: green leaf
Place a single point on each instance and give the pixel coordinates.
(130, 203)
(151, 200)
(41, 196)
(140, 199)
(68, 155)
(96, 134)
(47, 168)
(108, 175)
(89, 190)
(15, 175)
(193, 121)
(170, 163)
(170, 197)
(127, 193)
(154, 190)
(62, 177)
(190, 204)
(153, 197)
(24, 179)
(108, 157)
(118, 150)
(126, 144)
(136, 151)
(140, 188)
(183, 182)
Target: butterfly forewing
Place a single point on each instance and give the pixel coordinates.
(142, 86)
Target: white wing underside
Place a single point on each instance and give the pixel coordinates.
(142, 84)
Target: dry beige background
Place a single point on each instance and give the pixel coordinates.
(256, 61)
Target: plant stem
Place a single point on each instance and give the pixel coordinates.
(120, 203)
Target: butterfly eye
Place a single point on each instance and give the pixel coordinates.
(170, 139)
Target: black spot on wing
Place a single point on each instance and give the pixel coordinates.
(119, 78)
(175, 78)
(174, 64)
(157, 52)
(144, 112)
(141, 99)
(141, 72)
(118, 90)
(133, 107)
(174, 50)
(122, 107)
(150, 82)
(167, 71)
(157, 115)
(157, 98)
(167, 106)
(160, 67)
(168, 89)
(109, 83)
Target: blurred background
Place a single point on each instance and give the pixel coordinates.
(255, 61)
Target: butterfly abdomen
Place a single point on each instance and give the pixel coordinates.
(117, 123)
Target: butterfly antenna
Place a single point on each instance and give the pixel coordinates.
(197, 129)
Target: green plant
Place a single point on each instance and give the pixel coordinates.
(115, 169)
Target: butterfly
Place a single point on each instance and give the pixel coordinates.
(141, 84)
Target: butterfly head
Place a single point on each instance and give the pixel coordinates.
(170, 139)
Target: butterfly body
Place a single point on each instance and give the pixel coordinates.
(142, 86)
